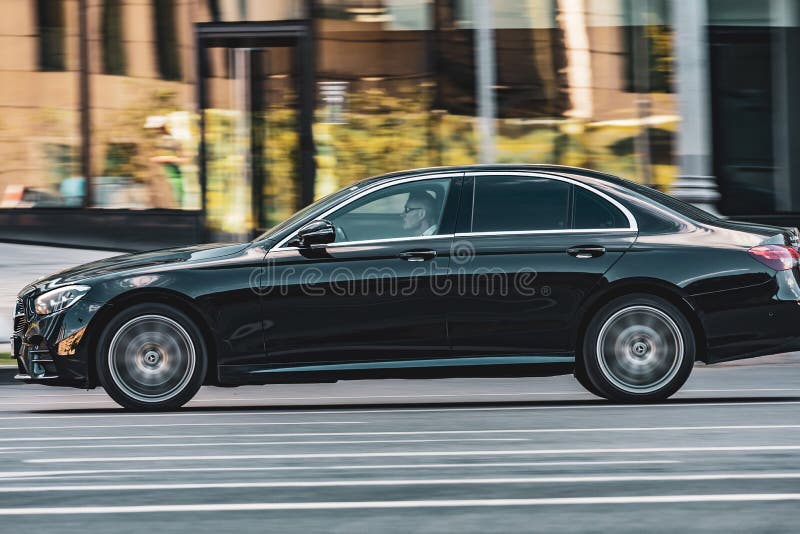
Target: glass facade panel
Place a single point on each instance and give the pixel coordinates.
(144, 128)
(228, 143)
(750, 70)
(587, 84)
(591, 83)
(251, 138)
(40, 141)
(249, 10)
(395, 89)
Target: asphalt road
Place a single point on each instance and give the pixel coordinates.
(499, 455)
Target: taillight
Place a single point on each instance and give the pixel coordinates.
(778, 257)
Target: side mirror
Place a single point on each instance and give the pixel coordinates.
(320, 232)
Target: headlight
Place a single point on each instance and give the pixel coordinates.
(59, 299)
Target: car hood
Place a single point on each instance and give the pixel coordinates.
(141, 260)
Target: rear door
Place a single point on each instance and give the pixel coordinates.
(529, 250)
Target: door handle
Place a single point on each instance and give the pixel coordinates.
(418, 255)
(586, 251)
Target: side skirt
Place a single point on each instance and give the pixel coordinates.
(469, 367)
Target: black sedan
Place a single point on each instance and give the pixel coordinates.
(461, 271)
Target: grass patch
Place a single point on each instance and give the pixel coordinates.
(6, 359)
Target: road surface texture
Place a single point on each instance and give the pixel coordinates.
(495, 455)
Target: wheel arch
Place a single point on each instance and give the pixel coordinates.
(648, 286)
(172, 298)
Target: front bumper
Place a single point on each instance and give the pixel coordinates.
(54, 349)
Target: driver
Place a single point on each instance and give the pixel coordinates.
(419, 217)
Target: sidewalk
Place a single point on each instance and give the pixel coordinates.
(22, 264)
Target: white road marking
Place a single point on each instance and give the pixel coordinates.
(401, 482)
(364, 454)
(15, 475)
(578, 392)
(402, 433)
(150, 425)
(28, 403)
(253, 443)
(361, 505)
(404, 396)
(734, 390)
(333, 410)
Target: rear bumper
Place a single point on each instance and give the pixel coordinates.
(753, 321)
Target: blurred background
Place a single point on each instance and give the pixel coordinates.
(135, 124)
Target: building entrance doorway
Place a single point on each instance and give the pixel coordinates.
(255, 99)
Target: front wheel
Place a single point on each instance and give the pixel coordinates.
(638, 348)
(151, 357)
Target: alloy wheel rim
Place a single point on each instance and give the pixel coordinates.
(640, 349)
(151, 358)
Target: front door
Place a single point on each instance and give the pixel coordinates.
(256, 157)
(372, 297)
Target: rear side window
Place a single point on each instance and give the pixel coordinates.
(592, 211)
(515, 203)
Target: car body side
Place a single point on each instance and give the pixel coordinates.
(738, 307)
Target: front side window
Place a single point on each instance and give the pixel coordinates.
(520, 203)
(411, 209)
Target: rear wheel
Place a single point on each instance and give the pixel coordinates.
(638, 348)
(151, 357)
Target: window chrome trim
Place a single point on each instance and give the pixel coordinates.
(377, 241)
(633, 226)
(564, 231)
(376, 187)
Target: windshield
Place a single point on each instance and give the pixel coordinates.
(320, 204)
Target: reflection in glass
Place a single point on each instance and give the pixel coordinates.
(251, 138)
(40, 142)
(395, 89)
(587, 84)
(144, 128)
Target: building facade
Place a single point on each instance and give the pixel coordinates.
(137, 123)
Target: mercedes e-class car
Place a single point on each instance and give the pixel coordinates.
(474, 271)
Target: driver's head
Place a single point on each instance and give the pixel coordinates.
(419, 213)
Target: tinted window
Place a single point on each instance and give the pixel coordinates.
(678, 206)
(509, 203)
(592, 211)
(405, 210)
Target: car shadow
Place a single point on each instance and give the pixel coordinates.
(599, 403)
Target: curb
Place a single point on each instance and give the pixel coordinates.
(7, 373)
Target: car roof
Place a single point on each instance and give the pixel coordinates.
(549, 168)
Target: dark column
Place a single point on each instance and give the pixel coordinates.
(84, 101)
(305, 70)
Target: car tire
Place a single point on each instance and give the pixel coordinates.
(151, 357)
(637, 348)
